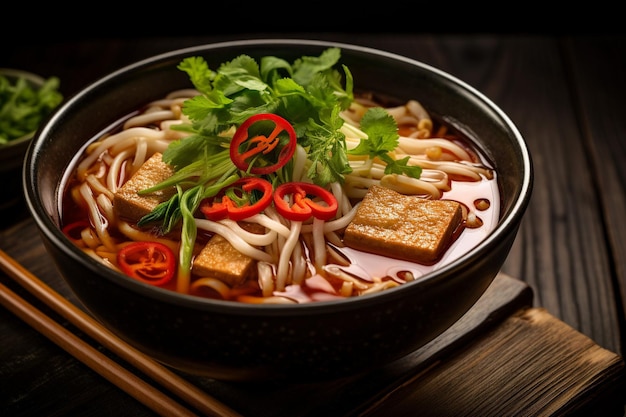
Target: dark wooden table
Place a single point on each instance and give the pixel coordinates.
(565, 94)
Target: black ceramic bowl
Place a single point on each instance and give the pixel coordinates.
(314, 341)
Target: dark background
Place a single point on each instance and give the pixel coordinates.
(558, 73)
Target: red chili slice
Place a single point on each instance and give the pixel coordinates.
(73, 230)
(244, 151)
(150, 262)
(238, 205)
(304, 204)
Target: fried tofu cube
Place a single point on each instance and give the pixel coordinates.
(404, 227)
(128, 204)
(219, 259)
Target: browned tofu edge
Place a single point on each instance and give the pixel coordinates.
(131, 206)
(383, 225)
(219, 259)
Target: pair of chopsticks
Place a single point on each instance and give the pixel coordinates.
(150, 396)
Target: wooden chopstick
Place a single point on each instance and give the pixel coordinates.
(108, 368)
(97, 361)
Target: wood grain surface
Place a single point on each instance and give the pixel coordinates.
(564, 93)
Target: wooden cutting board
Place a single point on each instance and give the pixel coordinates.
(503, 358)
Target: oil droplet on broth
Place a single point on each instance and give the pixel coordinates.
(366, 265)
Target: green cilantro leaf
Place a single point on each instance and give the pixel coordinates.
(382, 138)
(23, 107)
(200, 74)
(308, 93)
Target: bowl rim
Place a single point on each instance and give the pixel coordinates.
(506, 224)
(32, 77)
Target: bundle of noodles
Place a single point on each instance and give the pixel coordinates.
(288, 253)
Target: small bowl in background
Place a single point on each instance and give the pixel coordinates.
(12, 152)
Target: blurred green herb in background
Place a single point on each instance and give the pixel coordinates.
(24, 106)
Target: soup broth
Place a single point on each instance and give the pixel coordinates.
(275, 254)
(366, 272)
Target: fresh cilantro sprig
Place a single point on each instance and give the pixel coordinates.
(382, 138)
(309, 93)
(23, 107)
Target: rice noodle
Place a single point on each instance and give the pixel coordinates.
(265, 278)
(419, 146)
(287, 253)
(97, 187)
(100, 222)
(253, 239)
(283, 262)
(138, 235)
(116, 175)
(234, 239)
(215, 284)
(125, 137)
(319, 242)
(334, 225)
(299, 266)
